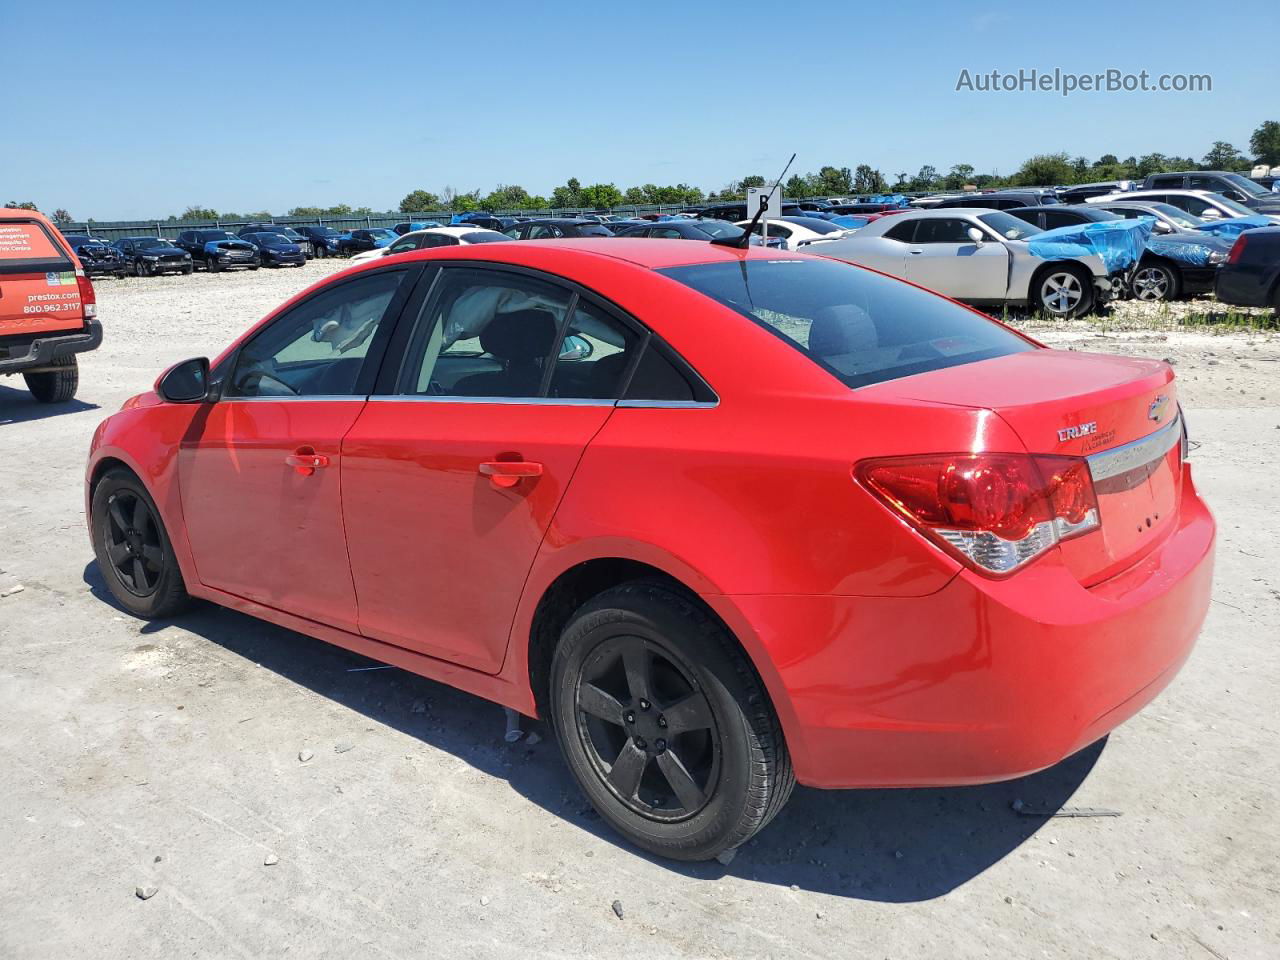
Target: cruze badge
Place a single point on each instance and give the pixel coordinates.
(1158, 407)
(1080, 430)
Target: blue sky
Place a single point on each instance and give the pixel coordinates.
(124, 110)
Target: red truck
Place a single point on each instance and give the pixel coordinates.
(48, 310)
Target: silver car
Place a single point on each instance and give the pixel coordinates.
(979, 256)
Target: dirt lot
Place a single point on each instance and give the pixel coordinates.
(167, 755)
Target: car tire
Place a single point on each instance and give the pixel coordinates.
(1154, 281)
(254, 266)
(319, 251)
(137, 268)
(188, 269)
(212, 266)
(1062, 291)
(665, 724)
(132, 548)
(55, 386)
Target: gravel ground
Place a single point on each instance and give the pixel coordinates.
(164, 759)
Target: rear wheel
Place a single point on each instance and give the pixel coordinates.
(212, 265)
(55, 386)
(1153, 282)
(133, 550)
(665, 724)
(1063, 290)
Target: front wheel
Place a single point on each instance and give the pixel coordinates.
(133, 550)
(665, 724)
(1064, 291)
(1154, 281)
(55, 386)
(212, 266)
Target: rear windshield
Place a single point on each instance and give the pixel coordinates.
(861, 327)
(484, 236)
(27, 246)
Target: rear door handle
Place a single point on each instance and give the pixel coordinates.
(507, 473)
(305, 461)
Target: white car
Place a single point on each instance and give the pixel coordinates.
(799, 232)
(458, 235)
(979, 256)
(1200, 203)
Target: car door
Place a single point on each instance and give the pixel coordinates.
(944, 258)
(454, 469)
(259, 470)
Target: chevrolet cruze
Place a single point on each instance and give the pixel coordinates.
(728, 519)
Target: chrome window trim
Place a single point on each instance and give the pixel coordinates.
(531, 401)
(1139, 453)
(670, 404)
(330, 398)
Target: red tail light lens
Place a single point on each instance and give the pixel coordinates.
(1237, 248)
(995, 511)
(88, 299)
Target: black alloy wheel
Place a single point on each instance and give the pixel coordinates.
(132, 543)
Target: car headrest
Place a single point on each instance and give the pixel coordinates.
(522, 335)
(840, 329)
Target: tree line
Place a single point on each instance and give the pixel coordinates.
(1044, 169)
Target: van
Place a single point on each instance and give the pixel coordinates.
(48, 310)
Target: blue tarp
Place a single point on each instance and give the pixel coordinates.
(1188, 249)
(897, 199)
(1233, 227)
(1118, 242)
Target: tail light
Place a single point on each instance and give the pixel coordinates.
(994, 511)
(1237, 248)
(88, 299)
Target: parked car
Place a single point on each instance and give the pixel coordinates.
(412, 226)
(97, 256)
(999, 200)
(980, 257)
(851, 221)
(1200, 203)
(797, 232)
(618, 226)
(700, 229)
(453, 236)
(893, 545)
(323, 240)
(358, 241)
(48, 309)
(486, 220)
(1174, 265)
(1080, 192)
(277, 250)
(545, 228)
(217, 250)
(290, 234)
(1169, 219)
(1251, 275)
(150, 256)
(1233, 186)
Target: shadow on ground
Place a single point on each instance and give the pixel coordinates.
(893, 846)
(18, 406)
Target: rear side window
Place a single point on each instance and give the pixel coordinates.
(859, 326)
(27, 246)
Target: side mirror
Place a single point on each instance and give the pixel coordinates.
(1210, 213)
(1162, 227)
(976, 236)
(576, 348)
(186, 382)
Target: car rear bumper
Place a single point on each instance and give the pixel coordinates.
(983, 680)
(1247, 286)
(46, 348)
(100, 269)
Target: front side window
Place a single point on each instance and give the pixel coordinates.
(318, 347)
(857, 325)
(1009, 226)
(942, 230)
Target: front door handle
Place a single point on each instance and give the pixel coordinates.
(916, 252)
(507, 473)
(305, 461)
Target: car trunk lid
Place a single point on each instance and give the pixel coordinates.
(1120, 413)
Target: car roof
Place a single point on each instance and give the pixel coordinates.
(651, 254)
(452, 230)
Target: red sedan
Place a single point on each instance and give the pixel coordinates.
(727, 518)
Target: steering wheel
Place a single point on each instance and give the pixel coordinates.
(256, 379)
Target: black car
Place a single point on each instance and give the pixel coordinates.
(218, 250)
(1175, 264)
(358, 241)
(97, 257)
(277, 250)
(1251, 275)
(1081, 192)
(545, 228)
(1000, 200)
(686, 229)
(323, 240)
(148, 256)
(1233, 186)
(292, 235)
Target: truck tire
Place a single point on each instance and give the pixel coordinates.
(55, 386)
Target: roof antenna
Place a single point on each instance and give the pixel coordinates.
(744, 241)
